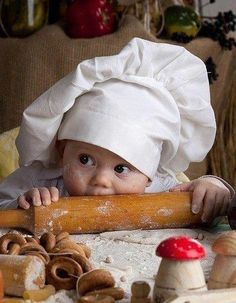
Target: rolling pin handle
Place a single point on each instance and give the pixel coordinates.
(16, 218)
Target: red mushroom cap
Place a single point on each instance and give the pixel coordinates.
(180, 248)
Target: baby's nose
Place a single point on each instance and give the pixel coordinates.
(102, 178)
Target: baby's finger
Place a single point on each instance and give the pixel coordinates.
(22, 202)
(197, 199)
(54, 192)
(45, 195)
(225, 207)
(33, 195)
(182, 187)
(208, 208)
(219, 201)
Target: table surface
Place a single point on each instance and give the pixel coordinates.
(132, 253)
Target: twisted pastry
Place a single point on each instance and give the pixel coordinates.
(115, 292)
(38, 295)
(8, 239)
(63, 272)
(94, 280)
(96, 299)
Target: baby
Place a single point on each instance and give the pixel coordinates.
(123, 124)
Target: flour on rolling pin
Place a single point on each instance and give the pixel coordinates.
(165, 212)
(53, 216)
(105, 208)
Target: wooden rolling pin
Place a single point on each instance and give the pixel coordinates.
(92, 214)
(21, 273)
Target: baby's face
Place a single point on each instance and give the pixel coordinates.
(92, 170)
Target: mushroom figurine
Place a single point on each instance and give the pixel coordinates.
(223, 272)
(180, 268)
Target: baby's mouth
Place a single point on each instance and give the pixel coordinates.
(100, 192)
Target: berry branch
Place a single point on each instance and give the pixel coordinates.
(211, 70)
(218, 28)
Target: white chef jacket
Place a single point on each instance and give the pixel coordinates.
(36, 175)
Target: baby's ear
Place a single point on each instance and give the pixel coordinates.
(60, 146)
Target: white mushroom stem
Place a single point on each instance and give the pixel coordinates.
(176, 276)
(223, 273)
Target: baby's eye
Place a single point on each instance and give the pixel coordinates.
(121, 169)
(86, 160)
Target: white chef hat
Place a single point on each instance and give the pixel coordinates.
(150, 104)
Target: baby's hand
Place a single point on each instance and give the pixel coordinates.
(209, 195)
(38, 196)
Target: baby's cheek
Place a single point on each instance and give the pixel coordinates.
(71, 174)
(139, 189)
(139, 185)
(135, 187)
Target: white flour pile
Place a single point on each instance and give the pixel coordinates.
(130, 255)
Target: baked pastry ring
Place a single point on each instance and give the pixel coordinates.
(6, 239)
(68, 244)
(63, 272)
(48, 241)
(86, 249)
(62, 235)
(83, 261)
(43, 256)
(29, 247)
(93, 280)
(13, 248)
(33, 249)
(33, 239)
